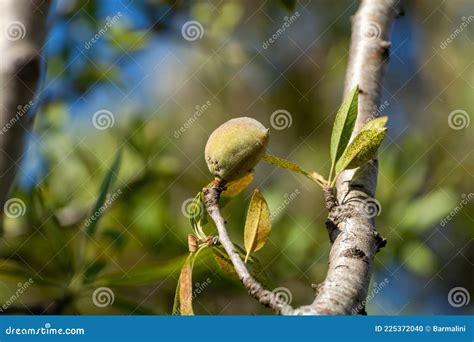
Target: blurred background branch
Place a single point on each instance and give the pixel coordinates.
(23, 27)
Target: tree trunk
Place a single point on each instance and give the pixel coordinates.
(22, 35)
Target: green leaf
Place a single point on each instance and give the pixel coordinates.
(97, 213)
(10, 268)
(258, 224)
(93, 270)
(419, 258)
(198, 215)
(141, 276)
(443, 199)
(362, 149)
(55, 233)
(117, 238)
(285, 164)
(343, 126)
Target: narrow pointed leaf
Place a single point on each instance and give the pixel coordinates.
(96, 212)
(344, 125)
(197, 214)
(57, 238)
(362, 149)
(144, 275)
(257, 225)
(12, 269)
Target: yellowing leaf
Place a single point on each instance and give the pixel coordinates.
(343, 125)
(185, 287)
(361, 150)
(257, 225)
(378, 123)
(223, 260)
(235, 187)
(225, 264)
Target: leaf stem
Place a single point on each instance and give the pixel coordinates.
(286, 164)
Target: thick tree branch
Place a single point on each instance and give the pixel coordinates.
(350, 223)
(22, 34)
(256, 290)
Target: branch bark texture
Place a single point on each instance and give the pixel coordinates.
(350, 223)
(22, 35)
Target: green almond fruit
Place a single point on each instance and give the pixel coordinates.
(235, 147)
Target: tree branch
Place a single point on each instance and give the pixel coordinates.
(350, 224)
(256, 290)
(22, 34)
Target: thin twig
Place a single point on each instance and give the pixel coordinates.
(211, 199)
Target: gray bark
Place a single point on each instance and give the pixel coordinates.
(355, 239)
